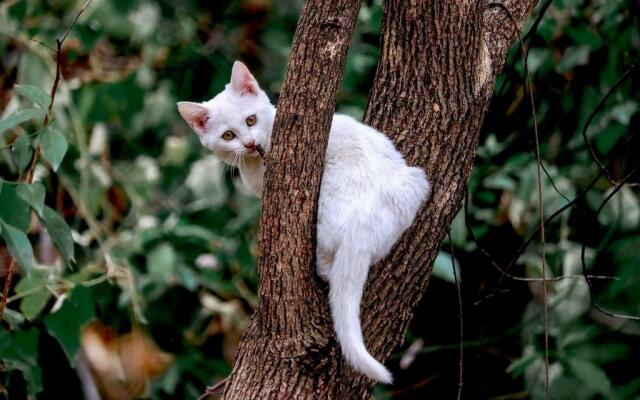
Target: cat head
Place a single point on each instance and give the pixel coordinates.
(236, 120)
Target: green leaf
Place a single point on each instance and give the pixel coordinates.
(19, 346)
(32, 305)
(35, 94)
(193, 232)
(13, 210)
(20, 117)
(591, 375)
(12, 317)
(161, 262)
(60, 233)
(36, 295)
(33, 194)
(518, 367)
(66, 324)
(18, 9)
(623, 210)
(584, 35)
(22, 152)
(604, 353)
(573, 56)
(442, 267)
(54, 146)
(188, 278)
(609, 136)
(19, 246)
(19, 351)
(622, 113)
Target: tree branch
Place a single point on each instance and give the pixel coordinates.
(292, 320)
(431, 91)
(497, 27)
(36, 154)
(437, 128)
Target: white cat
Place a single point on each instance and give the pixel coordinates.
(368, 196)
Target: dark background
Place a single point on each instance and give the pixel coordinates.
(173, 258)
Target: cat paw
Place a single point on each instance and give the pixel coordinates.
(323, 273)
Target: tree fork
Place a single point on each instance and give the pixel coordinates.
(438, 62)
(281, 354)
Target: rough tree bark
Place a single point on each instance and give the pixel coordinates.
(438, 62)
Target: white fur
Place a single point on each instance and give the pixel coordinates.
(368, 198)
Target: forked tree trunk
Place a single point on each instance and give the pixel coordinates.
(434, 80)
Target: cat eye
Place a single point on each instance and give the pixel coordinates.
(228, 135)
(251, 120)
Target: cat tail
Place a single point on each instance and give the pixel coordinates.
(347, 278)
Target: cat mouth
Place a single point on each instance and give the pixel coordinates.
(250, 153)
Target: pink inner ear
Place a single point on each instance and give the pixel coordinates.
(200, 119)
(196, 115)
(248, 85)
(242, 81)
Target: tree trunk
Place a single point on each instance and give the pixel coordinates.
(434, 80)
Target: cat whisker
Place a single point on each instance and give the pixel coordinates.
(225, 165)
(230, 162)
(231, 159)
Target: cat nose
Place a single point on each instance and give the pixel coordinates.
(250, 144)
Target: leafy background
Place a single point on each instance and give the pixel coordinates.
(143, 274)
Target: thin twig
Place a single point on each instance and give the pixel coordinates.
(212, 389)
(584, 246)
(532, 31)
(543, 256)
(36, 154)
(426, 381)
(7, 285)
(540, 199)
(582, 194)
(478, 343)
(534, 27)
(573, 203)
(84, 7)
(42, 44)
(504, 271)
(544, 249)
(461, 319)
(603, 170)
(596, 110)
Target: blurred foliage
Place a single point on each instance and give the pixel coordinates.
(141, 277)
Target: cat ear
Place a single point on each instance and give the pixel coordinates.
(196, 115)
(242, 81)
